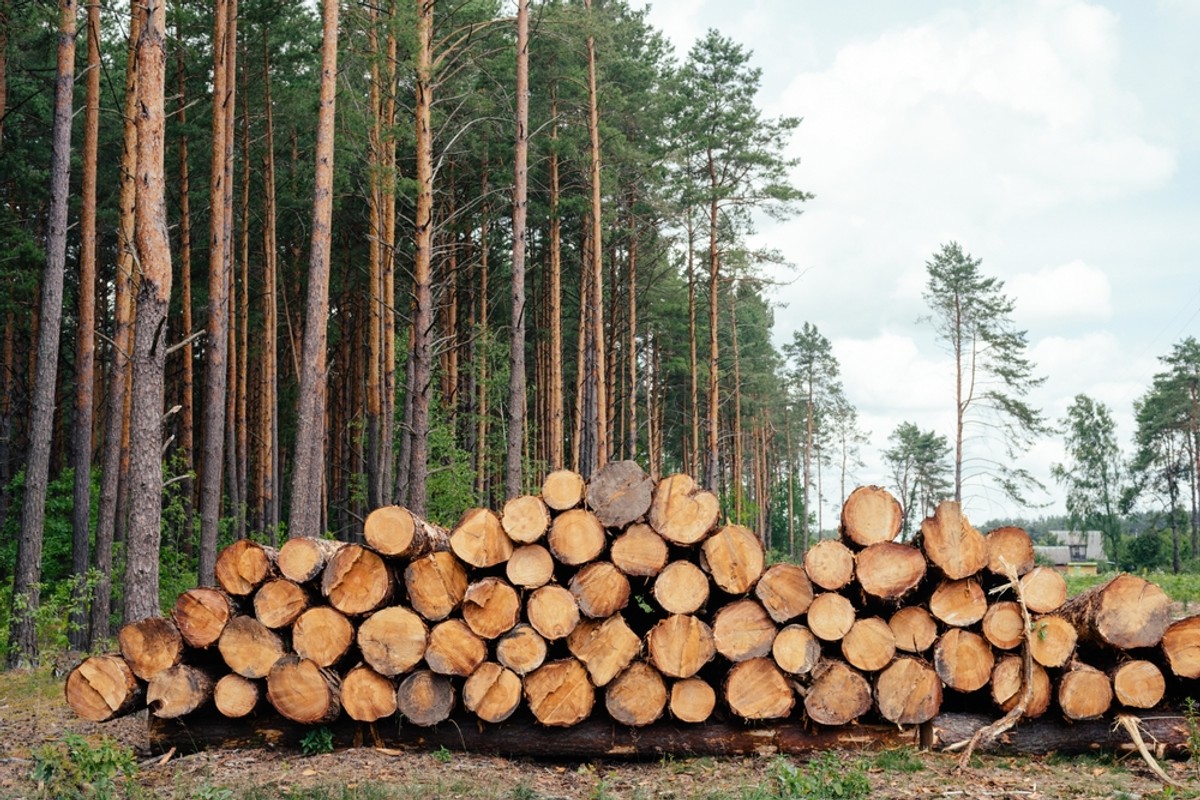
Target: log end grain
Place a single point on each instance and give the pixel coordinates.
(680, 645)
(436, 584)
(639, 551)
(743, 630)
(605, 647)
(756, 689)
(681, 588)
(636, 697)
(479, 539)
(796, 650)
(304, 692)
(525, 519)
(958, 603)
(425, 698)
(692, 700)
(1181, 645)
(243, 565)
(785, 591)
(889, 570)
(368, 696)
(392, 640)
(559, 693)
(356, 580)
(1009, 548)
(914, 628)
(150, 646)
(870, 515)
(619, 493)
(600, 589)
(952, 543)
(734, 558)
(492, 693)
(102, 688)
(681, 511)
(963, 660)
(323, 635)
(201, 614)
(563, 489)
(908, 692)
(177, 691)
(1139, 684)
(829, 565)
(838, 695)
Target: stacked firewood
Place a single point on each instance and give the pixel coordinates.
(621, 599)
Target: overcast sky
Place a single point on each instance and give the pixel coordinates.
(1058, 141)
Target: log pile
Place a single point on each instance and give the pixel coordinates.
(624, 601)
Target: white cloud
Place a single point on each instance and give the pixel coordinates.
(1071, 291)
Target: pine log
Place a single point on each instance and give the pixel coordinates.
(201, 614)
(605, 647)
(563, 490)
(436, 585)
(958, 603)
(682, 512)
(278, 603)
(1138, 684)
(323, 635)
(366, 695)
(871, 515)
(785, 591)
(908, 692)
(796, 650)
(838, 694)
(491, 607)
(1004, 626)
(734, 557)
(638, 696)
(559, 693)
(1007, 688)
(356, 580)
(914, 628)
(235, 696)
(619, 493)
(963, 660)
(249, 648)
(1044, 590)
(889, 570)
(522, 649)
(492, 693)
(951, 543)
(1181, 646)
(1126, 612)
(681, 588)
(576, 537)
(692, 700)
(102, 688)
(552, 611)
(425, 698)
(178, 690)
(830, 616)
(525, 519)
(1084, 692)
(1052, 640)
(869, 645)
(453, 649)
(600, 589)
(639, 551)
(243, 565)
(756, 689)
(680, 645)
(304, 692)
(530, 566)
(150, 646)
(829, 564)
(1009, 546)
(392, 640)
(743, 630)
(479, 539)
(302, 559)
(397, 532)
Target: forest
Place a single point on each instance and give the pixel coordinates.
(265, 267)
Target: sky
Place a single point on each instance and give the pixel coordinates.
(1056, 140)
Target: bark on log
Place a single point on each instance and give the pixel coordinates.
(681, 588)
(552, 611)
(692, 700)
(436, 585)
(1044, 589)
(958, 603)
(734, 557)
(559, 694)
(367, 696)
(1052, 640)
(871, 515)
(682, 512)
(150, 646)
(1003, 625)
(278, 603)
(1084, 692)
(576, 537)
(491, 607)
(838, 694)
(178, 690)
(908, 692)
(1007, 687)
(522, 649)
(304, 692)
(492, 693)
(425, 698)
(525, 519)
(1009, 545)
(830, 616)
(235, 696)
(302, 559)
(639, 551)
(1127, 612)
(756, 689)
(605, 647)
(479, 539)
(619, 493)
(785, 592)
(952, 543)
(963, 660)
(397, 532)
(636, 697)
(1181, 646)
(201, 614)
(243, 565)
(680, 645)
(249, 648)
(563, 490)
(889, 571)
(1138, 684)
(530, 566)
(323, 635)
(102, 688)
(600, 589)
(357, 581)
(869, 645)
(453, 649)
(743, 630)
(796, 650)
(830, 565)
(914, 628)
(392, 640)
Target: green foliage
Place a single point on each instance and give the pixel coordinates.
(826, 777)
(76, 768)
(1093, 474)
(1192, 715)
(317, 741)
(442, 755)
(901, 759)
(921, 472)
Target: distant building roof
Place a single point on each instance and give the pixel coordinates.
(1076, 546)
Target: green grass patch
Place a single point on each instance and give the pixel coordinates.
(901, 759)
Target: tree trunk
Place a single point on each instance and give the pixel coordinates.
(712, 465)
(187, 413)
(596, 268)
(269, 429)
(516, 380)
(556, 433)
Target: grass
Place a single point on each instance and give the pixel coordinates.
(1182, 588)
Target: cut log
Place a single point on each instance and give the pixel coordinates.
(600, 589)
(392, 640)
(963, 660)
(436, 585)
(1012, 546)
(150, 646)
(1004, 626)
(829, 564)
(681, 588)
(479, 539)
(492, 693)
(914, 628)
(1084, 692)
(871, 515)
(425, 698)
(734, 557)
(682, 512)
(525, 519)
(576, 537)
(796, 650)
(639, 551)
(244, 565)
(952, 543)
(619, 493)
(1007, 688)
(908, 692)
(178, 690)
(235, 696)
(201, 614)
(1139, 684)
(552, 611)
(491, 607)
(249, 648)
(830, 616)
(743, 630)
(559, 693)
(692, 700)
(1126, 612)
(103, 687)
(304, 692)
(1052, 640)
(302, 559)
(563, 490)
(785, 591)
(680, 645)
(530, 566)
(838, 694)
(397, 532)
(367, 696)
(356, 580)
(604, 647)
(889, 571)
(869, 645)
(278, 603)
(1181, 646)
(958, 603)
(1044, 590)
(522, 649)
(636, 697)
(453, 649)
(756, 689)
(323, 635)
